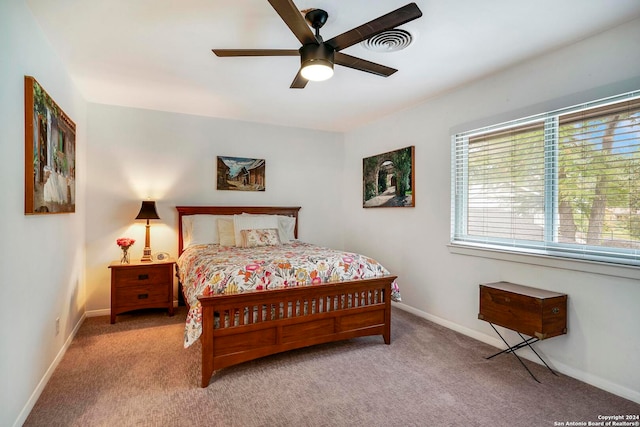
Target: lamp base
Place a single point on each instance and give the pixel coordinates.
(146, 255)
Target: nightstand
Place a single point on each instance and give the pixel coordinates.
(141, 285)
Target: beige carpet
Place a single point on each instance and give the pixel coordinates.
(136, 373)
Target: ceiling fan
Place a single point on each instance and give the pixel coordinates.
(317, 56)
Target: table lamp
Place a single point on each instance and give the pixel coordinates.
(147, 211)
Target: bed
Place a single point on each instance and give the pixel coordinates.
(239, 315)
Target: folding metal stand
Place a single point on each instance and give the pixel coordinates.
(526, 342)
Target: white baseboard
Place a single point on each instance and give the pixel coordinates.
(598, 382)
(454, 326)
(569, 371)
(47, 375)
(97, 313)
(107, 311)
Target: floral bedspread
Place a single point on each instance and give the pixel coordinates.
(215, 269)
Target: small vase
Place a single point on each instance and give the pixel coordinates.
(125, 255)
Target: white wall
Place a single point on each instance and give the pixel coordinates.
(134, 154)
(603, 343)
(131, 154)
(42, 260)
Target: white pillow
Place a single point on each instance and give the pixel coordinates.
(201, 229)
(225, 232)
(187, 225)
(248, 222)
(286, 226)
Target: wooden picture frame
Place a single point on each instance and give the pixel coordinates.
(50, 154)
(388, 179)
(240, 174)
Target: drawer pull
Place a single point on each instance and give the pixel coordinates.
(143, 277)
(143, 296)
(555, 310)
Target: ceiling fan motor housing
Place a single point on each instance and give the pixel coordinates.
(312, 54)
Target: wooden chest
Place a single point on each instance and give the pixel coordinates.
(530, 311)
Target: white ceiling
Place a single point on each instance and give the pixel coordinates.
(156, 54)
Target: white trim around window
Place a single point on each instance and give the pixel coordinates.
(559, 185)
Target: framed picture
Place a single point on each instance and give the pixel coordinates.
(240, 174)
(388, 179)
(50, 154)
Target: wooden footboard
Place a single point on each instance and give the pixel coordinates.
(241, 327)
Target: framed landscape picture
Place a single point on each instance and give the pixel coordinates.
(388, 179)
(240, 174)
(50, 154)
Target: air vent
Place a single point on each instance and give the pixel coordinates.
(388, 41)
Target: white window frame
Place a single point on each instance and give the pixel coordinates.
(517, 251)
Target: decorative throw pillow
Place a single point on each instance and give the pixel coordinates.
(255, 237)
(252, 222)
(226, 232)
(286, 225)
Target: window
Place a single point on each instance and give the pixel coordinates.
(564, 183)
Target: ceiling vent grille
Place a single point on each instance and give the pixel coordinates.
(388, 41)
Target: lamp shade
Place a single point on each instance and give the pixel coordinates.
(148, 211)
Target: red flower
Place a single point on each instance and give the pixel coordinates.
(125, 242)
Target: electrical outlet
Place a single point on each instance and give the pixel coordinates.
(57, 325)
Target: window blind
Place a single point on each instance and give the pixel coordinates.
(563, 183)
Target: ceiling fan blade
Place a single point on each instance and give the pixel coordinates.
(385, 22)
(291, 16)
(298, 82)
(255, 52)
(362, 65)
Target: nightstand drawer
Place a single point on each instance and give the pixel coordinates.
(140, 295)
(142, 276)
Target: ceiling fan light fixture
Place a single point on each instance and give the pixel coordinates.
(316, 62)
(317, 71)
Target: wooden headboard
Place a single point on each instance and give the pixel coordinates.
(233, 210)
